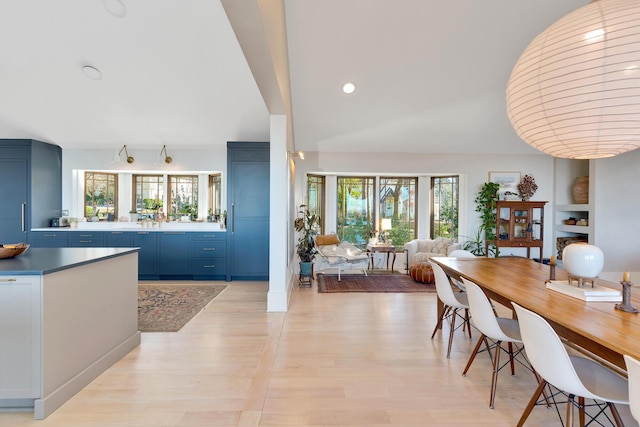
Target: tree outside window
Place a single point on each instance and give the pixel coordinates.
(148, 195)
(398, 203)
(356, 204)
(444, 206)
(101, 195)
(184, 196)
(315, 198)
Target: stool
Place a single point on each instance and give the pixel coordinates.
(422, 272)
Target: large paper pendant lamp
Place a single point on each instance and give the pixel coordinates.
(575, 91)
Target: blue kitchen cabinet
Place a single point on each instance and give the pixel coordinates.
(174, 250)
(209, 256)
(49, 239)
(87, 239)
(118, 239)
(148, 255)
(248, 211)
(30, 187)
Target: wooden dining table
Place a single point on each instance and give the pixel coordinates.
(596, 327)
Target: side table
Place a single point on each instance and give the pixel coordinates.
(388, 249)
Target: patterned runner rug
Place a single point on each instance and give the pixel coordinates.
(167, 308)
(397, 282)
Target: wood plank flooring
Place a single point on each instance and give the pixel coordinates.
(332, 360)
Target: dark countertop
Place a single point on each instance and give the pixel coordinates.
(41, 261)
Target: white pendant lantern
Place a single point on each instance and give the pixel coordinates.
(575, 91)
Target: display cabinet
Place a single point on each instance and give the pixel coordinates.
(520, 224)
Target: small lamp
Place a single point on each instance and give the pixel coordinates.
(294, 154)
(116, 157)
(385, 226)
(163, 152)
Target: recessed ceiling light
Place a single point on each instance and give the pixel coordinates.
(92, 72)
(348, 88)
(115, 7)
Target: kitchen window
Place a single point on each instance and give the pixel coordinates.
(101, 195)
(183, 196)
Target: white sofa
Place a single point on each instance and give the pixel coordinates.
(420, 250)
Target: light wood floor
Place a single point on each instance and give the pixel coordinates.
(332, 360)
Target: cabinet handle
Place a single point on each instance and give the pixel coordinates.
(116, 232)
(143, 232)
(209, 249)
(209, 266)
(24, 209)
(9, 280)
(174, 232)
(209, 236)
(85, 241)
(233, 220)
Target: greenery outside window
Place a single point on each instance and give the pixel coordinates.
(444, 206)
(148, 194)
(183, 195)
(101, 195)
(315, 198)
(215, 209)
(356, 204)
(398, 203)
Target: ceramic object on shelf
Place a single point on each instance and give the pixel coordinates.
(580, 190)
(583, 260)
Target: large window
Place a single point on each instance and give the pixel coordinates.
(101, 195)
(183, 196)
(315, 197)
(215, 209)
(356, 204)
(444, 206)
(398, 204)
(148, 195)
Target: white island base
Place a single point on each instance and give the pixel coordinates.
(62, 327)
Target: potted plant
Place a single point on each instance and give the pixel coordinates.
(486, 205)
(306, 224)
(134, 215)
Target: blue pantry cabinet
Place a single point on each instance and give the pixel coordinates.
(248, 211)
(30, 187)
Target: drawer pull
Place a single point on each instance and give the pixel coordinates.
(209, 266)
(9, 280)
(209, 249)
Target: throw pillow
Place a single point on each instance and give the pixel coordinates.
(425, 245)
(327, 239)
(441, 244)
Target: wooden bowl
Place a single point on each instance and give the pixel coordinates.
(10, 250)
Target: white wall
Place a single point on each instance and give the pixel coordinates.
(184, 161)
(473, 169)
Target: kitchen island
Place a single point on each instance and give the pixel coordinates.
(66, 315)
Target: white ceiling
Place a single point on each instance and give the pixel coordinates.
(430, 76)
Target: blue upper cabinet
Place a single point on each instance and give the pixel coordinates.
(248, 210)
(30, 187)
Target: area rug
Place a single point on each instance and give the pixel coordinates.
(372, 283)
(167, 308)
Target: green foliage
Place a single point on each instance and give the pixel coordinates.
(486, 200)
(306, 224)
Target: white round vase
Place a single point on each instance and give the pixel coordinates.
(583, 260)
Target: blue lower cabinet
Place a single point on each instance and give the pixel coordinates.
(209, 256)
(86, 239)
(148, 255)
(118, 239)
(174, 250)
(48, 239)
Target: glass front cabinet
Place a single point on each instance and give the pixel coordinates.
(520, 224)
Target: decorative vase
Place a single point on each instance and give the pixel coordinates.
(583, 260)
(580, 190)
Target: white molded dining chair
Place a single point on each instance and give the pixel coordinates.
(460, 253)
(497, 329)
(575, 376)
(633, 370)
(453, 302)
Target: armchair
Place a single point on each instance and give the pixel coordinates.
(339, 255)
(420, 250)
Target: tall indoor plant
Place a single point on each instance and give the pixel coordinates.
(486, 200)
(306, 224)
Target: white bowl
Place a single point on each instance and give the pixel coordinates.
(583, 260)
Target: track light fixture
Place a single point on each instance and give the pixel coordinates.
(116, 157)
(294, 154)
(163, 152)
